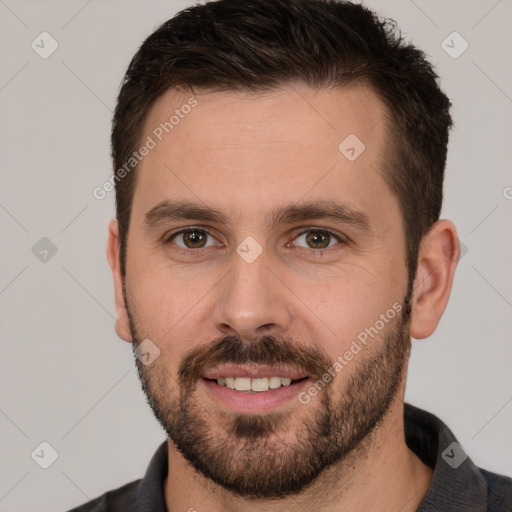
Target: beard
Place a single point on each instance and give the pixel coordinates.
(277, 454)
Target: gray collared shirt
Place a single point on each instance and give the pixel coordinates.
(458, 485)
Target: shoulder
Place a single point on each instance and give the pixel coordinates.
(499, 491)
(120, 499)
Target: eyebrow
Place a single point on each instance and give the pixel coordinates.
(166, 211)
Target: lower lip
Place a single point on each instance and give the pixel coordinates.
(242, 401)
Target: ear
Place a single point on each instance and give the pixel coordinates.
(113, 251)
(437, 259)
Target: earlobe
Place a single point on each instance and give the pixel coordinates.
(437, 260)
(113, 251)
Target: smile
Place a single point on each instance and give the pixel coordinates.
(253, 388)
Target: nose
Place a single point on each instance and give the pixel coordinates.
(253, 300)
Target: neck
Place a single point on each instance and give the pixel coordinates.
(381, 474)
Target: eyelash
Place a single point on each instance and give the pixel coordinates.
(198, 252)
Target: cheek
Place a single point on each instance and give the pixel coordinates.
(169, 305)
(350, 304)
(156, 301)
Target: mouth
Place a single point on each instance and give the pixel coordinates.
(253, 389)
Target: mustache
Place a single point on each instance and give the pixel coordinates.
(266, 351)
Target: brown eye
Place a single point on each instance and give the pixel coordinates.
(191, 239)
(317, 239)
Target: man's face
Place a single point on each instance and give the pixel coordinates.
(255, 296)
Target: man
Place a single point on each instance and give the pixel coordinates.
(279, 169)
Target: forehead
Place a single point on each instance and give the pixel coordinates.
(232, 149)
(294, 113)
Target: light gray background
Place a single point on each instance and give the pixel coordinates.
(68, 380)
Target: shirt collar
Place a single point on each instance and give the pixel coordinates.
(458, 483)
(150, 496)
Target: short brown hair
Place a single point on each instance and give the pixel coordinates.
(257, 45)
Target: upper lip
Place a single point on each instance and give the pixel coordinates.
(253, 371)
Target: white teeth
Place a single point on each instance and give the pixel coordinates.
(243, 384)
(257, 385)
(274, 382)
